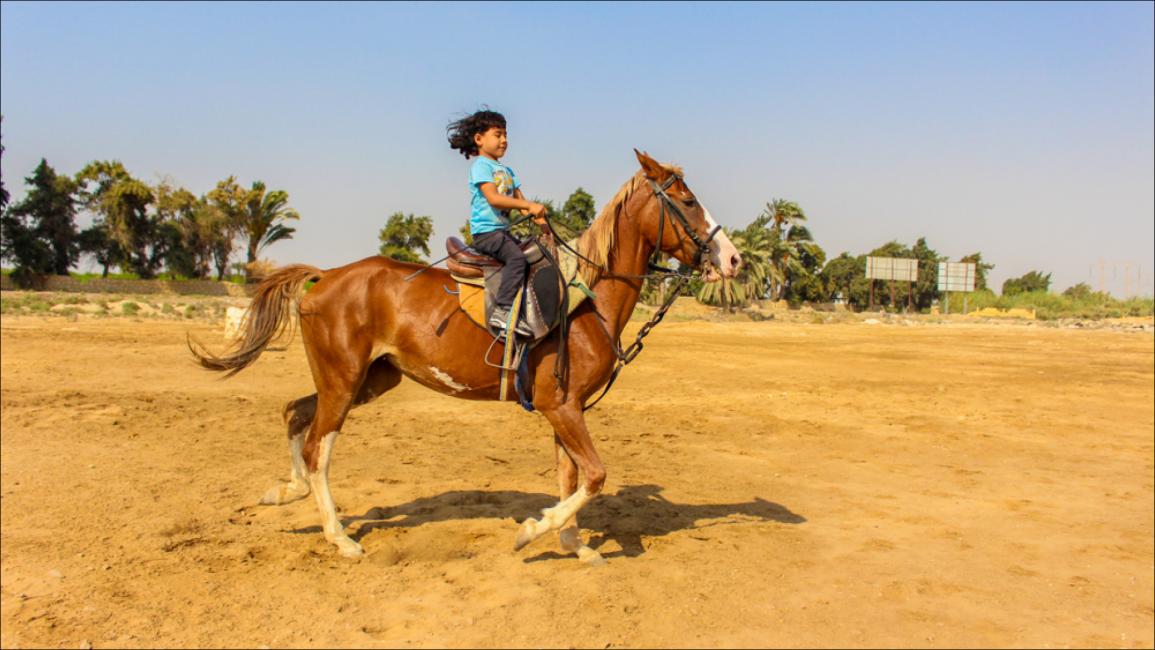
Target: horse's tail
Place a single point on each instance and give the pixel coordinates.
(267, 318)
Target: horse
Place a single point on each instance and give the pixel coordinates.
(366, 324)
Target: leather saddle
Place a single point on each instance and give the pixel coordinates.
(479, 276)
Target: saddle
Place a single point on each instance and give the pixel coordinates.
(478, 277)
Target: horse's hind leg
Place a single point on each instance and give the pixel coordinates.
(570, 535)
(298, 415)
(339, 382)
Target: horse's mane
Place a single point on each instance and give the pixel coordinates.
(597, 242)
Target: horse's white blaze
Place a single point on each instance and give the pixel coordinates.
(722, 250)
(444, 378)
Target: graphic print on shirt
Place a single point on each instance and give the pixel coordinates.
(503, 182)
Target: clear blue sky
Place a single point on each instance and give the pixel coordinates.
(1025, 131)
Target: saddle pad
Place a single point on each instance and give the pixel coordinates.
(472, 298)
(471, 291)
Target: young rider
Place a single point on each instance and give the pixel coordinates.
(495, 191)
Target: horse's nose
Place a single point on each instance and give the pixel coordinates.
(736, 262)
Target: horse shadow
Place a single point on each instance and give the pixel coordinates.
(635, 512)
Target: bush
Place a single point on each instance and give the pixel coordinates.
(1073, 303)
(130, 308)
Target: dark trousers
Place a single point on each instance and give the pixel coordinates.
(503, 246)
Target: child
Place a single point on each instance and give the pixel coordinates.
(495, 191)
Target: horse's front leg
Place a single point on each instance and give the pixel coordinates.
(570, 534)
(570, 428)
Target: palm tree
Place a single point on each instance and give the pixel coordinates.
(785, 218)
(257, 214)
(264, 216)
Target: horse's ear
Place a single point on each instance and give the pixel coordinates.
(653, 170)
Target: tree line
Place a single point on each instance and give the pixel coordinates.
(140, 228)
(781, 260)
(147, 229)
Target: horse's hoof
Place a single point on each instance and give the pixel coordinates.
(279, 495)
(590, 557)
(525, 535)
(348, 548)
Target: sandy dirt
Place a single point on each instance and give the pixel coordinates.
(770, 484)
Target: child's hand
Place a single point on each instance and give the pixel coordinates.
(537, 211)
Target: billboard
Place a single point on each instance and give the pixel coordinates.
(892, 268)
(956, 276)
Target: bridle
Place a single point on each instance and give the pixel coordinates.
(665, 203)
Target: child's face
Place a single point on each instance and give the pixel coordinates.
(492, 143)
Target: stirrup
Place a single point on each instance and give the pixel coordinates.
(485, 358)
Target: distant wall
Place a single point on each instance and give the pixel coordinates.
(104, 285)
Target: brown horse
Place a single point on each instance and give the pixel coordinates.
(366, 324)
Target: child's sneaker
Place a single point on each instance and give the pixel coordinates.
(499, 319)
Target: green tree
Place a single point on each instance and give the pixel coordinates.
(981, 269)
(782, 216)
(803, 281)
(40, 232)
(406, 237)
(1081, 291)
(844, 278)
(779, 236)
(188, 253)
(926, 288)
(756, 244)
(122, 204)
(1032, 281)
(576, 214)
(94, 241)
(19, 244)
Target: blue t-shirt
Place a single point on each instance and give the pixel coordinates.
(484, 218)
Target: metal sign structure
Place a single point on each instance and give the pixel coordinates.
(955, 276)
(892, 269)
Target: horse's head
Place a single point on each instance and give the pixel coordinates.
(684, 226)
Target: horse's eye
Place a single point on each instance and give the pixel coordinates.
(690, 202)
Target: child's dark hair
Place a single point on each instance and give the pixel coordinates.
(461, 132)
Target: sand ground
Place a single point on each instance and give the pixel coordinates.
(770, 484)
